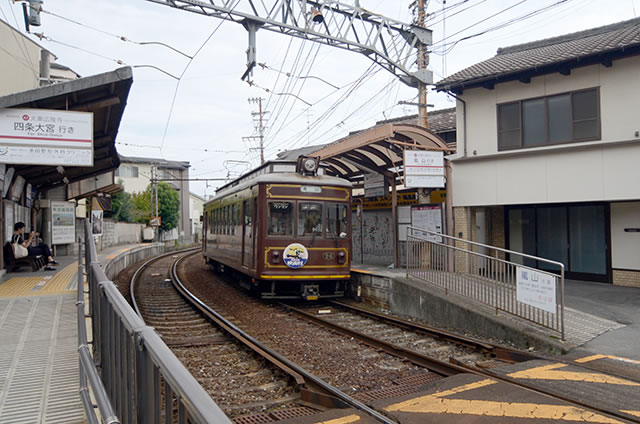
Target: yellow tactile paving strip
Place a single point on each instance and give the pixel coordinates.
(45, 285)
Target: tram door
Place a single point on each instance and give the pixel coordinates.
(247, 235)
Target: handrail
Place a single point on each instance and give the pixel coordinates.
(88, 371)
(487, 246)
(137, 369)
(488, 279)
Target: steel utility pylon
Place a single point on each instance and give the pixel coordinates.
(389, 43)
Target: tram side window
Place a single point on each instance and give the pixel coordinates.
(309, 219)
(337, 220)
(280, 220)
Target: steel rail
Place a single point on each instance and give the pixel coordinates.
(503, 353)
(272, 356)
(455, 367)
(437, 366)
(141, 268)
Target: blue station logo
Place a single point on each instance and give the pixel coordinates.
(295, 255)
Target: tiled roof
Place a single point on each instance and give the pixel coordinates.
(442, 120)
(571, 49)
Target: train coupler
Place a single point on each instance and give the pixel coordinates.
(311, 291)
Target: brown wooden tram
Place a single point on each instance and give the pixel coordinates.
(284, 228)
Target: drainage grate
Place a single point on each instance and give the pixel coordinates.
(253, 419)
(285, 414)
(419, 379)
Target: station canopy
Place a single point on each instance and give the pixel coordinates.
(379, 149)
(105, 95)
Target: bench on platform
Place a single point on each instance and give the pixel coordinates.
(12, 263)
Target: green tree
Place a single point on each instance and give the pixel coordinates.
(122, 207)
(168, 206)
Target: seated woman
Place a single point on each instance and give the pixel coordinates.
(42, 249)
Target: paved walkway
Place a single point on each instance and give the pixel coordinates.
(602, 318)
(38, 351)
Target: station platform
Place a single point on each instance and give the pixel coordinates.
(39, 379)
(599, 318)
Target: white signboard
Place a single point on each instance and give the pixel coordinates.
(427, 218)
(536, 289)
(46, 137)
(374, 185)
(423, 169)
(63, 227)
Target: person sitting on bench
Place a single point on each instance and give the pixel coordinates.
(42, 249)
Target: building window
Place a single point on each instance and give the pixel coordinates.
(127, 171)
(563, 118)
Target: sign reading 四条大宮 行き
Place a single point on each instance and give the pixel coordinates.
(46, 137)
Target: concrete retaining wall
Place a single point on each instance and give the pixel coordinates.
(414, 299)
(124, 259)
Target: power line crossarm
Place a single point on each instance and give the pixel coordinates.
(389, 43)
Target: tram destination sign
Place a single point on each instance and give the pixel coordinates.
(46, 137)
(423, 169)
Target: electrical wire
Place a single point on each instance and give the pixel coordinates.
(175, 93)
(23, 48)
(120, 37)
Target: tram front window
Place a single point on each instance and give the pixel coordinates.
(337, 220)
(280, 221)
(309, 218)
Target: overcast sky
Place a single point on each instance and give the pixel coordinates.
(212, 114)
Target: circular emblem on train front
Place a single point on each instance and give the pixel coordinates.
(295, 255)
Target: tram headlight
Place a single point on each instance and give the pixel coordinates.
(308, 165)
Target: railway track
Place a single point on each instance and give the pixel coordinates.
(244, 378)
(277, 386)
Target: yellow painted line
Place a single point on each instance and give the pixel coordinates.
(344, 420)
(636, 413)
(437, 404)
(615, 358)
(361, 271)
(550, 372)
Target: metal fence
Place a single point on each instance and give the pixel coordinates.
(133, 375)
(489, 275)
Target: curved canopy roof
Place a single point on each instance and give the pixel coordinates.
(379, 149)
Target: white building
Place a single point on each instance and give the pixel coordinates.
(548, 150)
(195, 206)
(26, 64)
(135, 174)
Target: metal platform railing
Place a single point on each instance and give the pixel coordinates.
(133, 375)
(489, 275)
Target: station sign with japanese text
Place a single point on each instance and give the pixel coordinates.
(423, 169)
(536, 289)
(46, 137)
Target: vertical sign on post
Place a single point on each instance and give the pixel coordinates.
(375, 185)
(96, 222)
(423, 169)
(536, 289)
(63, 228)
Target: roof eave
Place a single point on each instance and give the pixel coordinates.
(604, 57)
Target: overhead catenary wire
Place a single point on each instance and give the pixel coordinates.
(120, 37)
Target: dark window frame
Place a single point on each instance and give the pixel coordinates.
(547, 141)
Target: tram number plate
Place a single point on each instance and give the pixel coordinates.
(312, 297)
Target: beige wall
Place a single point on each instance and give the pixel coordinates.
(139, 184)
(19, 61)
(625, 247)
(564, 173)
